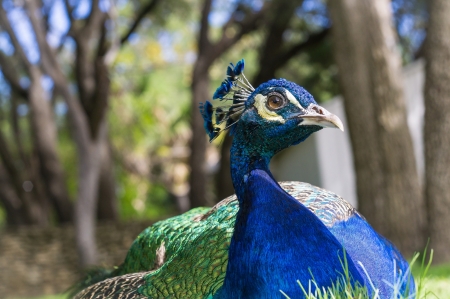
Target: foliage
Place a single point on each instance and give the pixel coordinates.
(148, 119)
(150, 88)
(410, 18)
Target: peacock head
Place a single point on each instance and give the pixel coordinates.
(274, 116)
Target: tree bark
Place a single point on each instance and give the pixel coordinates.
(107, 208)
(398, 207)
(350, 52)
(224, 184)
(15, 211)
(437, 128)
(404, 206)
(198, 178)
(44, 133)
(273, 47)
(43, 128)
(86, 206)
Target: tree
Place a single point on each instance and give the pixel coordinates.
(437, 128)
(96, 42)
(44, 140)
(246, 20)
(274, 53)
(370, 75)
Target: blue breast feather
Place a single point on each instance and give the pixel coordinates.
(266, 255)
(376, 255)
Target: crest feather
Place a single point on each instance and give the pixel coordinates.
(234, 88)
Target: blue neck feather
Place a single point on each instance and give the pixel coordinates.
(243, 162)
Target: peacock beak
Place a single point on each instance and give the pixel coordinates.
(319, 116)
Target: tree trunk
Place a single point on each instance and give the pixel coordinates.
(16, 212)
(107, 208)
(437, 128)
(224, 184)
(89, 161)
(198, 178)
(44, 133)
(404, 206)
(273, 48)
(398, 209)
(349, 52)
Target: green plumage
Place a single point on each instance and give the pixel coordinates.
(174, 231)
(196, 254)
(186, 256)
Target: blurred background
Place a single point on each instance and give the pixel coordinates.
(100, 133)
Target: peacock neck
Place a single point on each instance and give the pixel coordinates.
(244, 159)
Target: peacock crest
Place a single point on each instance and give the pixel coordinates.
(235, 90)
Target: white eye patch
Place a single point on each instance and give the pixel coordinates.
(293, 100)
(266, 113)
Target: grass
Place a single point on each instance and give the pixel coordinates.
(431, 283)
(436, 282)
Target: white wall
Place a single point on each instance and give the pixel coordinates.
(325, 159)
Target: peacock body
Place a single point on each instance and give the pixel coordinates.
(267, 236)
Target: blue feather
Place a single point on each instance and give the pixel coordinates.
(267, 255)
(206, 109)
(230, 72)
(239, 68)
(223, 89)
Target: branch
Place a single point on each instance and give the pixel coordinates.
(203, 40)
(249, 24)
(52, 68)
(17, 132)
(271, 61)
(48, 57)
(146, 10)
(282, 12)
(12, 35)
(69, 11)
(111, 53)
(9, 71)
(88, 40)
(313, 39)
(99, 100)
(95, 17)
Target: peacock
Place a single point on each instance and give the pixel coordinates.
(261, 241)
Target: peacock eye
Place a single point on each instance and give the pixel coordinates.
(275, 101)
